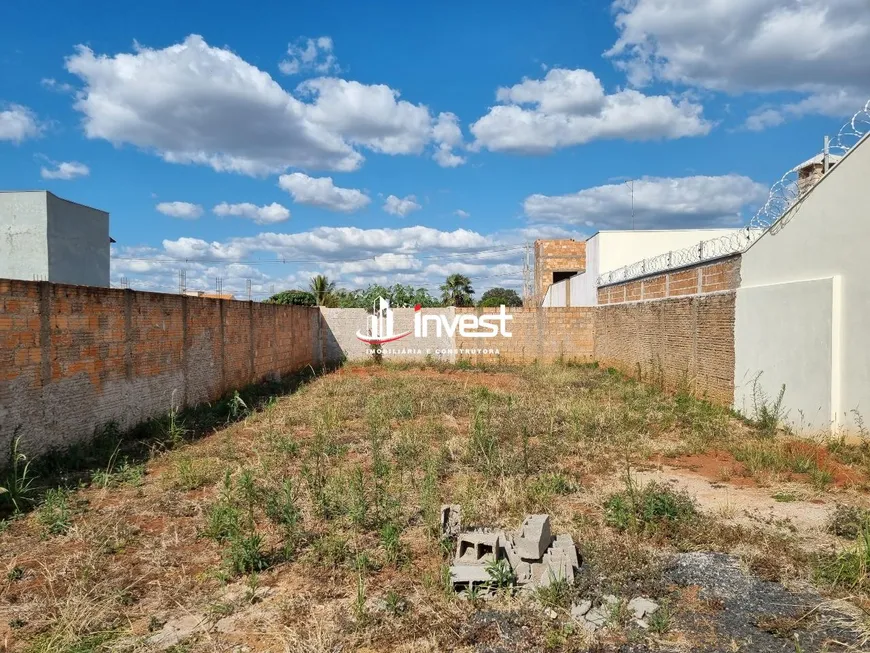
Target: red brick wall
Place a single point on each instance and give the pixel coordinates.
(537, 334)
(716, 276)
(683, 342)
(73, 358)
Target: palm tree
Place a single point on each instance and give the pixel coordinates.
(457, 291)
(321, 287)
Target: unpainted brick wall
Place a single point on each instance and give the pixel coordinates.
(73, 358)
(560, 255)
(681, 343)
(537, 334)
(714, 276)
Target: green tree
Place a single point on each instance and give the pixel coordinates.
(321, 287)
(457, 291)
(499, 297)
(293, 298)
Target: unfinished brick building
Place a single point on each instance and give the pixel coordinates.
(556, 260)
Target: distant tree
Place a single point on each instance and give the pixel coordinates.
(457, 291)
(321, 287)
(499, 297)
(293, 298)
(398, 295)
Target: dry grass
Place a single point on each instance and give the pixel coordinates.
(311, 524)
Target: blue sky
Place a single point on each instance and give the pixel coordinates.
(452, 132)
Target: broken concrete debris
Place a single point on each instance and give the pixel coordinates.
(533, 555)
(591, 619)
(451, 520)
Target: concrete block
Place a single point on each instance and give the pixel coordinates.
(566, 543)
(641, 607)
(557, 566)
(509, 550)
(523, 572)
(580, 609)
(451, 520)
(596, 618)
(468, 574)
(476, 548)
(534, 537)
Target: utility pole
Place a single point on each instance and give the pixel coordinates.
(248, 288)
(630, 183)
(182, 281)
(827, 155)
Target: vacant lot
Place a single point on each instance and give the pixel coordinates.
(309, 521)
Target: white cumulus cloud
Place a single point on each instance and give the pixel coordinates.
(18, 123)
(401, 206)
(65, 170)
(182, 210)
(571, 107)
(322, 192)
(659, 202)
(193, 103)
(310, 55)
(816, 47)
(267, 214)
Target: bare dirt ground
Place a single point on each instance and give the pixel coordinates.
(308, 522)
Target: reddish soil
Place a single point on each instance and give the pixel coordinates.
(720, 466)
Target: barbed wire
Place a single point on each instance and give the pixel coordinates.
(782, 196)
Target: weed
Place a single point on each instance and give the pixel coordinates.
(821, 477)
(125, 474)
(500, 573)
(190, 473)
(847, 521)
(784, 497)
(238, 409)
(769, 414)
(246, 554)
(359, 604)
(850, 568)
(19, 486)
(393, 548)
(660, 620)
(557, 594)
(16, 573)
(331, 550)
(395, 604)
(648, 508)
(282, 507)
(253, 585)
(54, 513)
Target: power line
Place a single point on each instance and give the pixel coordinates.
(312, 260)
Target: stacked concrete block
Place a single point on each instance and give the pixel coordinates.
(536, 558)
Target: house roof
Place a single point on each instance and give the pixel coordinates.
(818, 159)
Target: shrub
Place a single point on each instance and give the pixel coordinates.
(648, 508)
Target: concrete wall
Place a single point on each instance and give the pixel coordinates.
(23, 237)
(808, 313)
(824, 237)
(683, 343)
(78, 243)
(46, 238)
(544, 335)
(73, 358)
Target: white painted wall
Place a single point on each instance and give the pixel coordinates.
(825, 236)
(609, 250)
(51, 239)
(797, 349)
(23, 237)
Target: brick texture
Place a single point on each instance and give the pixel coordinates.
(537, 334)
(556, 256)
(715, 276)
(681, 343)
(73, 358)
